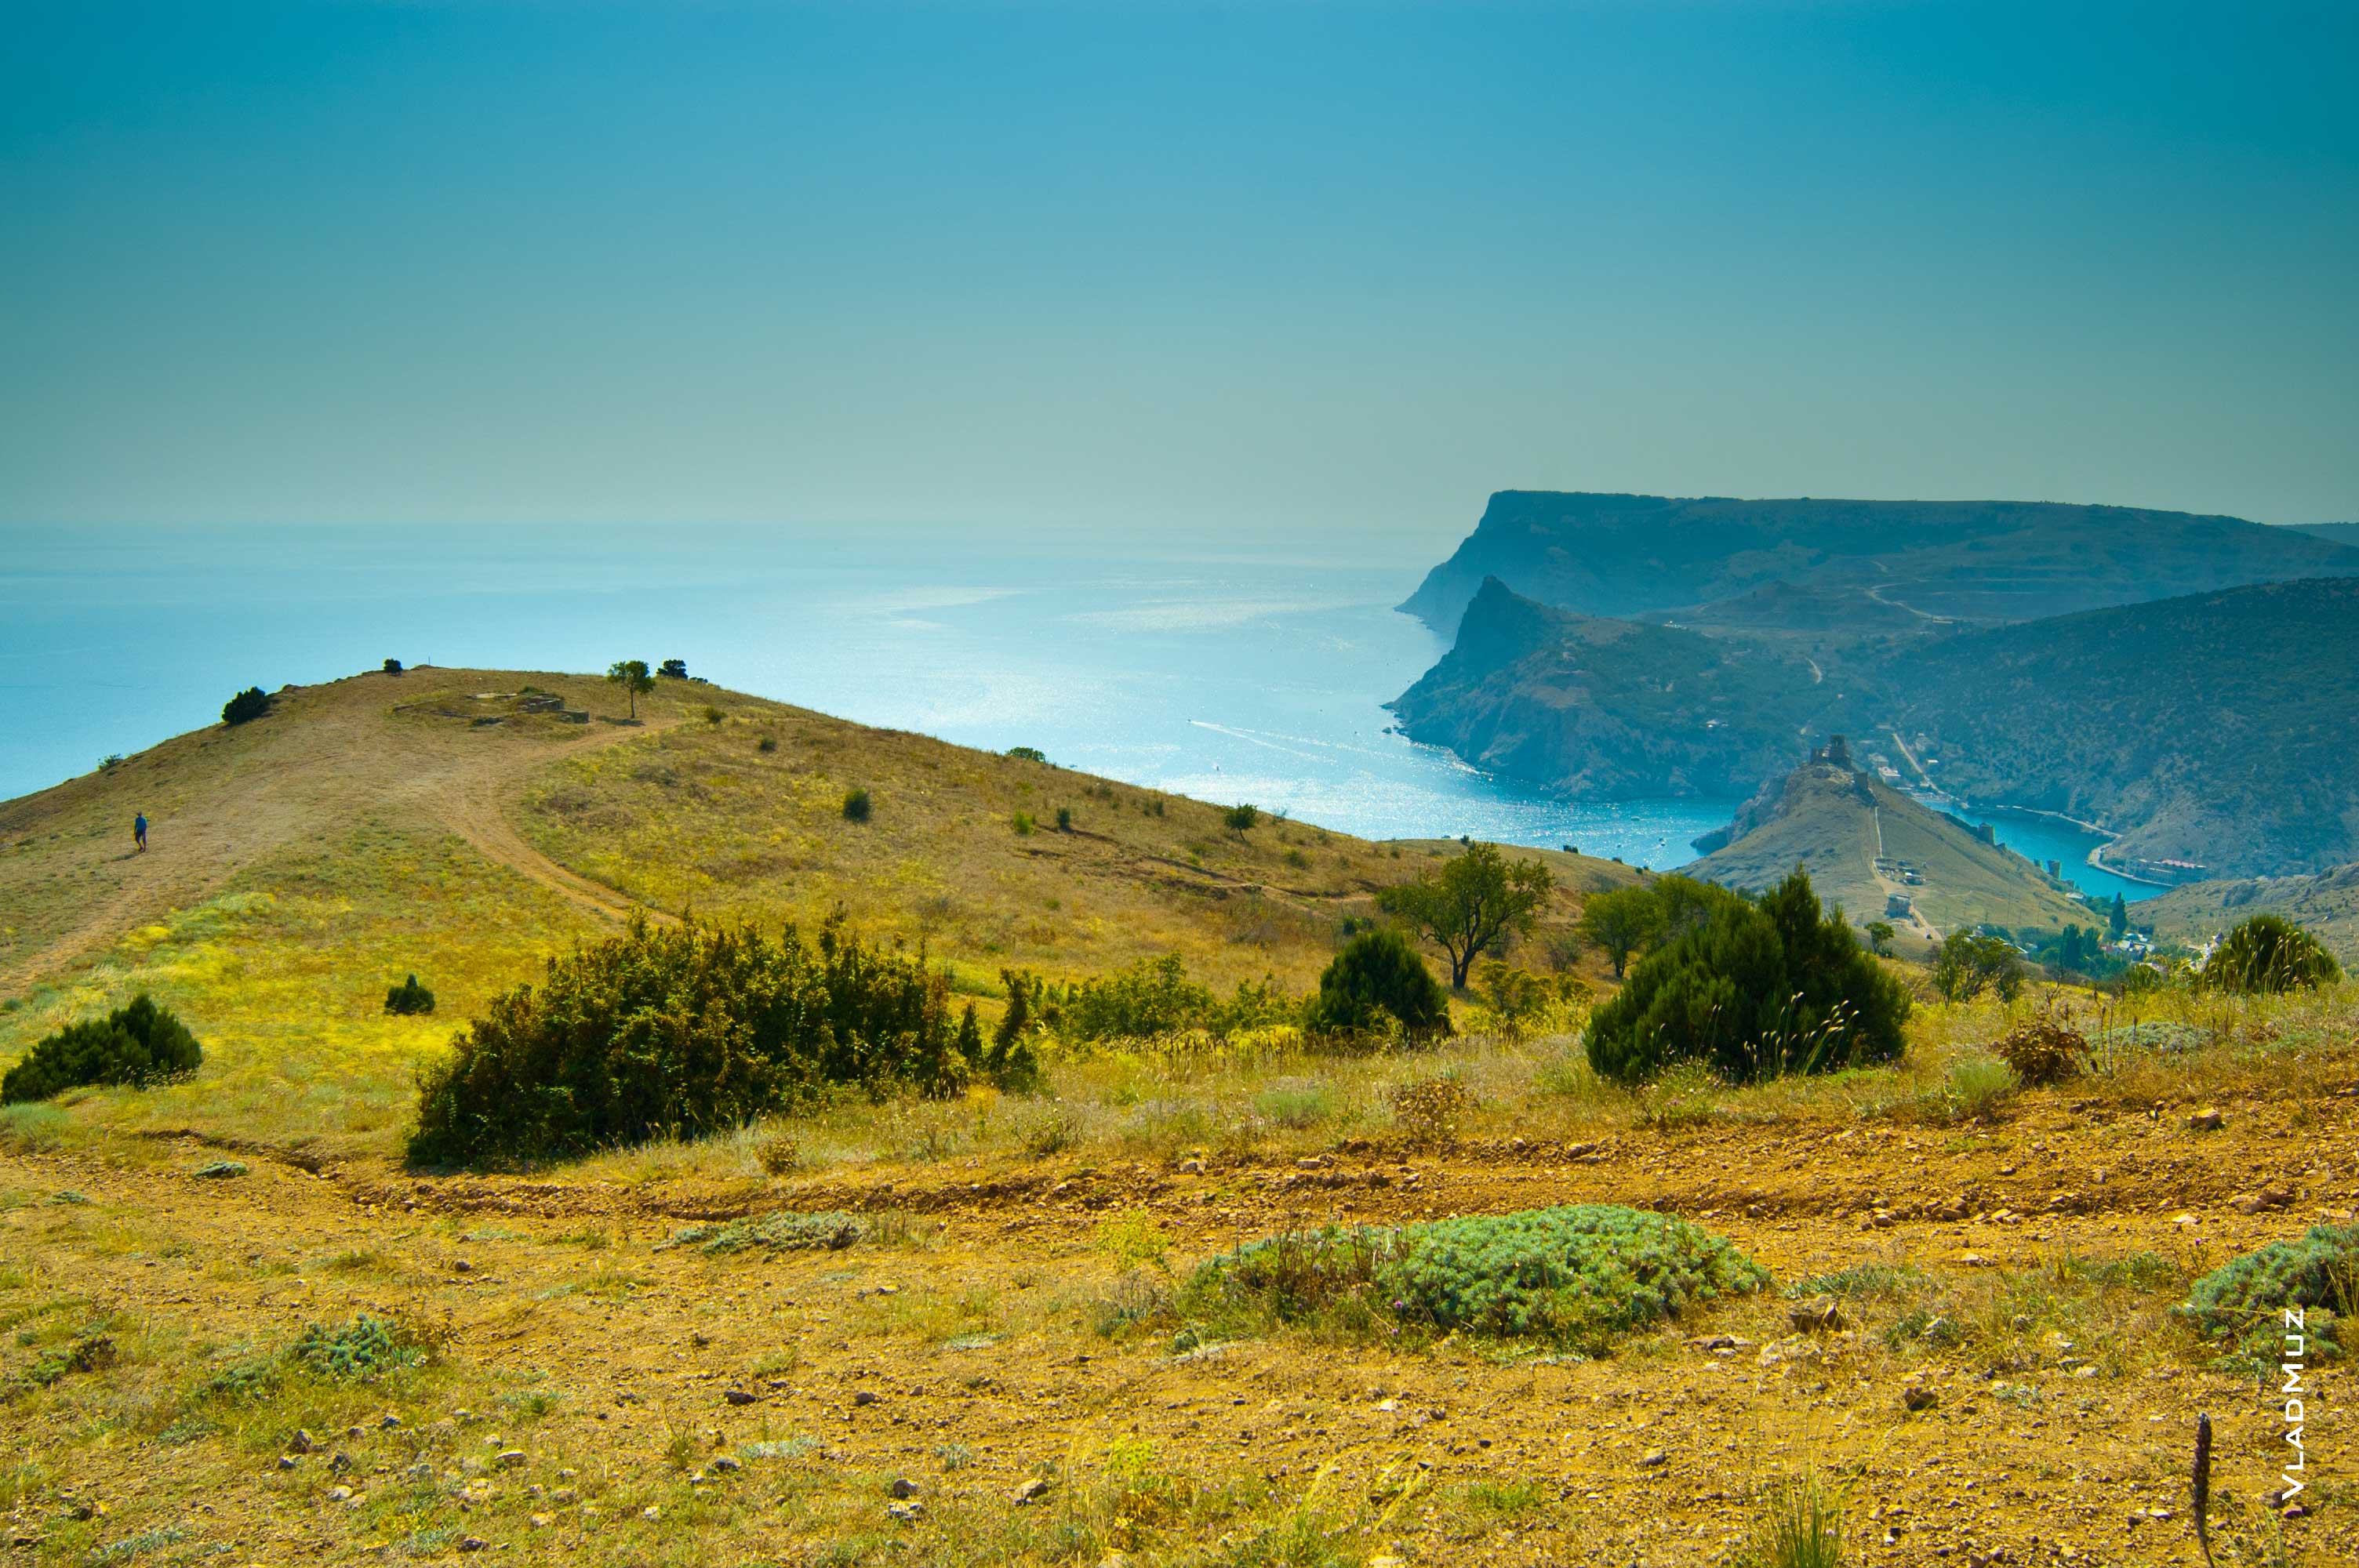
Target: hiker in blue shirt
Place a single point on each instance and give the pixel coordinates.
(139, 832)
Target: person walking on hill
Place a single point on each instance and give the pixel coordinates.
(139, 832)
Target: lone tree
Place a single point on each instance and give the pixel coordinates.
(632, 675)
(246, 706)
(1621, 922)
(2118, 917)
(1470, 904)
(673, 669)
(1880, 934)
(1378, 977)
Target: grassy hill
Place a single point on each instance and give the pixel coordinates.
(1831, 820)
(2326, 903)
(378, 826)
(1975, 561)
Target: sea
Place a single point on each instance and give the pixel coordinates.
(1244, 669)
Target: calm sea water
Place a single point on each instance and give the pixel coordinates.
(1232, 673)
(2044, 838)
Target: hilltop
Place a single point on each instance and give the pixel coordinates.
(2326, 904)
(1863, 843)
(2207, 728)
(461, 824)
(1939, 561)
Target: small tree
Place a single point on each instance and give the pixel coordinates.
(1967, 965)
(1027, 753)
(250, 704)
(1378, 977)
(1470, 904)
(393, 666)
(1621, 922)
(632, 675)
(1241, 817)
(2118, 919)
(1010, 1061)
(1880, 934)
(857, 804)
(409, 999)
(673, 669)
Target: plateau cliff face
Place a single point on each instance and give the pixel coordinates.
(1979, 562)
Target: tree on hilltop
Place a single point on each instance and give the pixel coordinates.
(1620, 922)
(1470, 905)
(632, 675)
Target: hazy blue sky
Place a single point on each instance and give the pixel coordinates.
(1168, 266)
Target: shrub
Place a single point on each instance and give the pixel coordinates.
(782, 1231)
(1378, 982)
(1796, 1523)
(857, 804)
(1427, 1111)
(1752, 991)
(682, 1032)
(409, 999)
(1967, 965)
(712, 715)
(1064, 819)
(1241, 817)
(2241, 1305)
(393, 666)
(673, 669)
(1974, 1089)
(1296, 1105)
(1027, 753)
(1025, 824)
(141, 1044)
(1578, 1276)
(251, 703)
(2044, 1050)
(766, 744)
(1150, 996)
(2269, 953)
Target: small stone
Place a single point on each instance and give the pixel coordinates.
(1031, 1491)
(509, 1458)
(2208, 1120)
(339, 1494)
(740, 1397)
(287, 1461)
(2294, 1510)
(906, 1513)
(542, 1521)
(304, 1442)
(864, 1397)
(1652, 1458)
(724, 1465)
(651, 1511)
(472, 1543)
(1819, 1315)
(903, 1487)
(1917, 1397)
(461, 1266)
(388, 1423)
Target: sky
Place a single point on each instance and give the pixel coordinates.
(1166, 270)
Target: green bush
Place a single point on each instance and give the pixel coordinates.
(1027, 753)
(682, 1032)
(1752, 991)
(1241, 817)
(2269, 953)
(1377, 983)
(1579, 1276)
(856, 805)
(251, 703)
(1064, 819)
(1969, 964)
(409, 999)
(361, 1351)
(1139, 1002)
(2240, 1306)
(140, 1044)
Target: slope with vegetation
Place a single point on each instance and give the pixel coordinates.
(2326, 904)
(1853, 835)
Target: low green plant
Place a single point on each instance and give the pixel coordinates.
(2242, 1306)
(857, 807)
(361, 1351)
(1579, 1276)
(140, 1046)
(1295, 1104)
(1025, 823)
(2044, 1049)
(408, 1000)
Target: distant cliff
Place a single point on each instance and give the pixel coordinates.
(2215, 728)
(1979, 562)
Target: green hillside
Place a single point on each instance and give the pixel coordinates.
(1975, 561)
(1839, 824)
(2326, 903)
